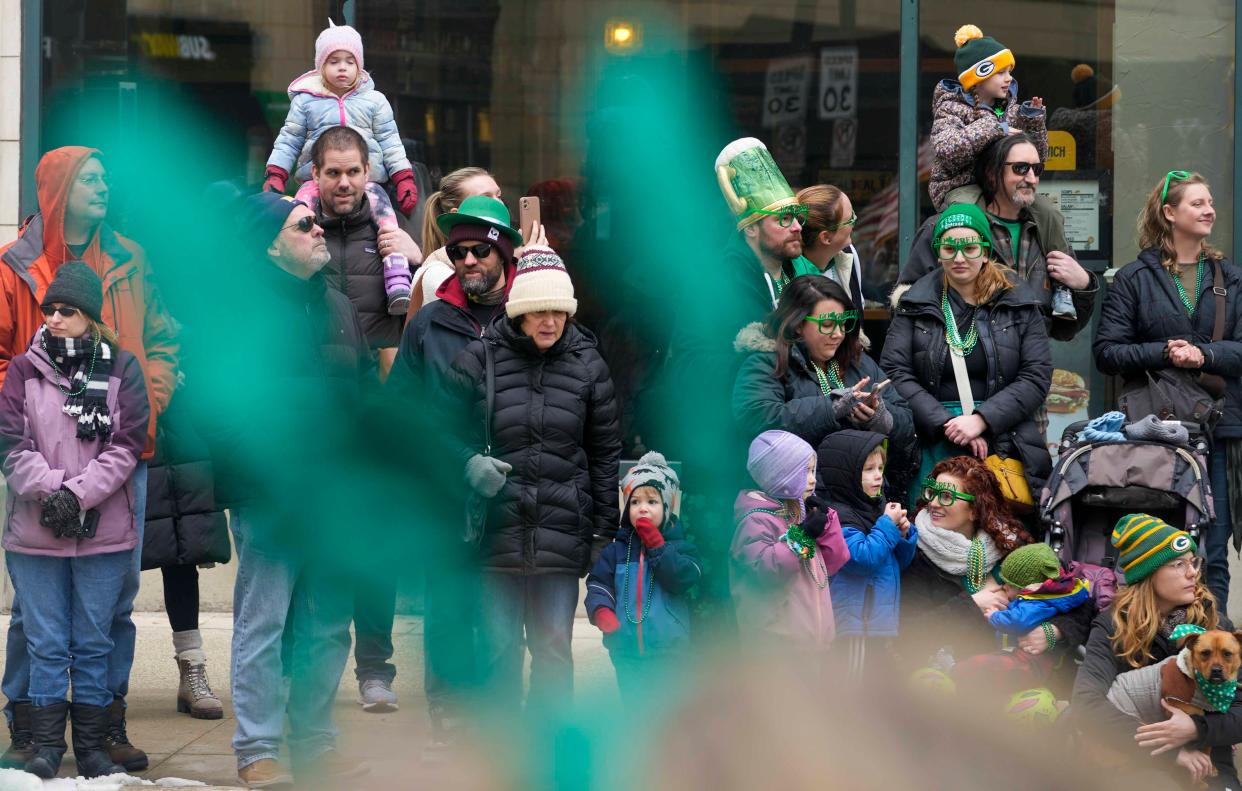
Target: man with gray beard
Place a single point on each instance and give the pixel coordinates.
(1008, 172)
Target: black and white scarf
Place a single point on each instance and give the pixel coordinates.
(90, 360)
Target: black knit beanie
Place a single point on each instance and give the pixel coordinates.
(76, 284)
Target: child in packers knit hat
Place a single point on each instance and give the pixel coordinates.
(972, 111)
(782, 556)
(636, 593)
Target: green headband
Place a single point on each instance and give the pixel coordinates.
(963, 215)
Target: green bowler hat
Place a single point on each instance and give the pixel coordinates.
(751, 182)
(480, 210)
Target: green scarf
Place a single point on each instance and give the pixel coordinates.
(1219, 694)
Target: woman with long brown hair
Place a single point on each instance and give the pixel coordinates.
(1160, 314)
(973, 309)
(1165, 599)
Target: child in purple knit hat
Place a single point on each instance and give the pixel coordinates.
(784, 553)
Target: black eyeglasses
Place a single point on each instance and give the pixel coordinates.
(457, 252)
(67, 312)
(1022, 168)
(304, 225)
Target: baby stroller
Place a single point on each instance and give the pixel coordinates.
(1095, 483)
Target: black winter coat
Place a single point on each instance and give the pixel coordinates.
(184, 524)
(1098, 719)
(1031, 266)
(357, 271)
(1015, 343)
(555, 421)
(1142, 312)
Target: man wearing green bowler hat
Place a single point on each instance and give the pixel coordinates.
(480, 246)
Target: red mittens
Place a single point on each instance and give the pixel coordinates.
(649, 533)
(407, 192)
(276, 178)
(606, 620)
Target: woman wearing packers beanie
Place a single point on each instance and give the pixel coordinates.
(1164, 591)
(548, 470)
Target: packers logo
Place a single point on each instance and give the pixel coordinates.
(984, 69)
(1181, 543)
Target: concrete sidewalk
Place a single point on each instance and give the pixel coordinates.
(192, 749)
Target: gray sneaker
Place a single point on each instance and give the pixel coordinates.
(376, 696)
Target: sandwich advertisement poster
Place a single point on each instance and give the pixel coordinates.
(1069, 399)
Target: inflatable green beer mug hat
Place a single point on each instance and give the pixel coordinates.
(754, 186)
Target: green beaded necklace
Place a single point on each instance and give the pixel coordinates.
(780, 283)
(1181, 290)
(830, 379)
(975, 572)
(798, 542)
(89, 371)
(960, 346)
(625, 590)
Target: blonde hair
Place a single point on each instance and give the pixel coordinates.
(448, 197)
(1137, 620)
(992, 279)
(1155, 230)
(102, 331)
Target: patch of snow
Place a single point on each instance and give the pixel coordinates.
(17, 780)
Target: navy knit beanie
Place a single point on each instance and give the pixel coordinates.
(262, 217)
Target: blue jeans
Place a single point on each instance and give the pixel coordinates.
(1220, 532)
(278, 585)
(375, 605)
(535, 611)
(123, 634)
(69, 603)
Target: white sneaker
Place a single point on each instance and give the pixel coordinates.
(376, 696)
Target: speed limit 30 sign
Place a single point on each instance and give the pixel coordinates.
(838, 83)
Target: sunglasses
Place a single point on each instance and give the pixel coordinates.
(1022, 168)
(457, 252)
(831, 322)
(944, 494)
(850, 223)
(1178, 175)
(787, 215)
(304, 225)
(970, 247)
(67, 312)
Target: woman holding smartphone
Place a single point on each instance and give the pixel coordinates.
(806, 371)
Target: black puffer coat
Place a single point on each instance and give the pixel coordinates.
(1142, 312)
(1015, 344)
(357, 271)
(555, 421)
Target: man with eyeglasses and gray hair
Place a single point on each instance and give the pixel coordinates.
(1007, 172)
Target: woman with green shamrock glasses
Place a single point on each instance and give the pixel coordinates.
(827, 235)
(968, 350)
(1175, 313)
(806, 372)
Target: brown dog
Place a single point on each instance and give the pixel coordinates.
(1215, 654)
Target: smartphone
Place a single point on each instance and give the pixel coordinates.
(528, 215)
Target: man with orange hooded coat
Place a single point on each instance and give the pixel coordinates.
(70, 225)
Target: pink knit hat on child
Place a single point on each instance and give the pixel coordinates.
(335, 37)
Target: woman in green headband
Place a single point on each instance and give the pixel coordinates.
(971, 310)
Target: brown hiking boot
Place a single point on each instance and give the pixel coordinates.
(264, 773)
(21, 741)
(117, 741)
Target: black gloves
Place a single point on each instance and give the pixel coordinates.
(60, 512)
(816, 521)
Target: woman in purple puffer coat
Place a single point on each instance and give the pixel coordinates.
(73, 422)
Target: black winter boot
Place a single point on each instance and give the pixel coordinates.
(90, 725)
(116, 741)
(21, 742)
(47, 726)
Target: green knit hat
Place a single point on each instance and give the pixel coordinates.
(1145, 543)
(1031, 565)
(978, 56)
(963, 215)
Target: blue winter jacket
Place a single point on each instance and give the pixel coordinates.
(866, 592)
(313, 109)
(667, 574)
(1029, 610)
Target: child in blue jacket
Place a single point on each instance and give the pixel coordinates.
(1038, 588)
(636, 594)
(866, 592)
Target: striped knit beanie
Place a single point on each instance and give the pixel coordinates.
(1145, 543)
(541, 283)
(978, 56)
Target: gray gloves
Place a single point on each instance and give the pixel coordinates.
(844, 399)
(486, 475)
(882, 421)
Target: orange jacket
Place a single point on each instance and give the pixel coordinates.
(132, 305)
